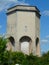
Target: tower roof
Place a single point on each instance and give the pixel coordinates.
(23, 8)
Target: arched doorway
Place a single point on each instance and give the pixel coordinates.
(25, 44)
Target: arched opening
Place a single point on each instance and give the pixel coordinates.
(10, 44)
(25, 44)
(12, 40)
(37, 45)
(37, 40)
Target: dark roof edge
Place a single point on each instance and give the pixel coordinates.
(24, 6)
(23, 10)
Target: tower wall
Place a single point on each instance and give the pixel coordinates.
(23, 21)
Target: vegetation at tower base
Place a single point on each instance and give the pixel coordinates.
(12, 58)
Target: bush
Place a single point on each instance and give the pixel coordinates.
(12, 58)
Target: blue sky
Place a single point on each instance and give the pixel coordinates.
(43, 6)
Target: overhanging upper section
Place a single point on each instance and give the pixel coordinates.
(23, 8)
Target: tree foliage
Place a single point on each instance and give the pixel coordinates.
(12, 58)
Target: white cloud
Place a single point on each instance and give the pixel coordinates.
(44, 41)
(45, 13)
(4, 4)
(13, 0)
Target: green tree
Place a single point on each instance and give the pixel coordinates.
(5, 56)
(2, 49)
(45, 58)
(12, 58)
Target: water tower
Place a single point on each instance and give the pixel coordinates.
(23, 26)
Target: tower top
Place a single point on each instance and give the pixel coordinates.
(23, 8)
